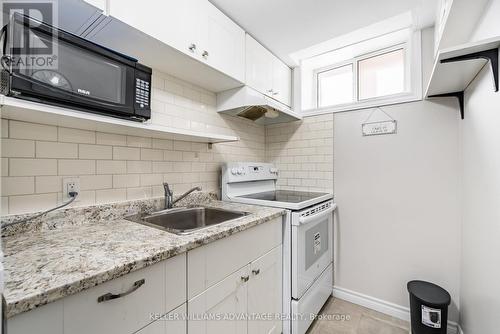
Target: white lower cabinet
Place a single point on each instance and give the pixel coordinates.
(211, 263)
(236, 282)
(47, 319)
(265, 293)
(211, 311)
(120, 306)
(125, 305)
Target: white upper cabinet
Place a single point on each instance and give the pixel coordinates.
(266, 73)
(282, 82)
(222, 42)
(194, 27)
(259, 66)
(168, 21)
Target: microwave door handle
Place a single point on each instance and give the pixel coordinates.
(308, 219)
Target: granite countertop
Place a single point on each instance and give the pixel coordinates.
(47, 264)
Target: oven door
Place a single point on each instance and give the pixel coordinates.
(312, 239)
(81, 74)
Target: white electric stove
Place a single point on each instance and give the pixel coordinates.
(307, 237)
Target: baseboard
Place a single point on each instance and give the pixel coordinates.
(382, 306)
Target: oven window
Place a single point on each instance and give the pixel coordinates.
(82, 72)
(316, 239)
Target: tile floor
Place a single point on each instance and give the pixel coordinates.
(341, 317)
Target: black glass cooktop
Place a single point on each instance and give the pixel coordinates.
(287, 196)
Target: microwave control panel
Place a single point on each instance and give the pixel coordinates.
(142, 96)
(142, 89)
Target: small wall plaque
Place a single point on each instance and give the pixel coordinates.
(379, 128)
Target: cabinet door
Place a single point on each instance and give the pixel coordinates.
(265, 293)
(171, 22)
(282, 82)
(259, 67)
(208, 311)
(222, 42)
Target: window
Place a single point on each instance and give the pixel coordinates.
(335, 86)
(376, 75)
(375, 72)
(381, 75)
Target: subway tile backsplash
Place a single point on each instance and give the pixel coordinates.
(114, 167)
(303, 152)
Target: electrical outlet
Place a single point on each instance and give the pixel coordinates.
(70, 185)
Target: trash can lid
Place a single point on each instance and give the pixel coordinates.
(429, 293)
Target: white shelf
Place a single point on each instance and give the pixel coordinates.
(456, 76)
(21, 110)
(460, 21)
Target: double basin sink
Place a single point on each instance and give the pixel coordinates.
(187, 220)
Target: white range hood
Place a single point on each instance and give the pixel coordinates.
(248, 103)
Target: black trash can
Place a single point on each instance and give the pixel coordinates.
(428, 308)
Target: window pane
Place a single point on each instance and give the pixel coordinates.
(335, 86)
(382, 75)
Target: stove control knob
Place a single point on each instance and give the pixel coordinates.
(274, 170)
(241, 171)
(234, 171)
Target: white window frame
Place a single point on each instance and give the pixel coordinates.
(318, 71)
(413, 79)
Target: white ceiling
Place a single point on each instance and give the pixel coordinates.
(286, 26)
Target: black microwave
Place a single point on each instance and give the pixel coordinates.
(45, 64)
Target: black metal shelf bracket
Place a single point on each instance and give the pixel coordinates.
(491, 55)
(458, 95)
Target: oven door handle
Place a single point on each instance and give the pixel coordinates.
(308, 219)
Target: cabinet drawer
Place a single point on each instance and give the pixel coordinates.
(210, 264)
(152, 290)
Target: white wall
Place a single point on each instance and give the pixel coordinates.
(480, 274)
(398, 199)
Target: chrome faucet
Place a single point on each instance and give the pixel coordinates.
(169, 195)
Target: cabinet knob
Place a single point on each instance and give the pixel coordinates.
(245, 278)
(276, 93)
(205, 54)
(192, 47)
(256, 271)
(269, 90)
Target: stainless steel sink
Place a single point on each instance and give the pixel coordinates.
(187, 220)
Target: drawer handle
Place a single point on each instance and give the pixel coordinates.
(245, 278)
(256, 271)
(110, 296)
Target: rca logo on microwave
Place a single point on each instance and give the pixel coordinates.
(83, 91)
